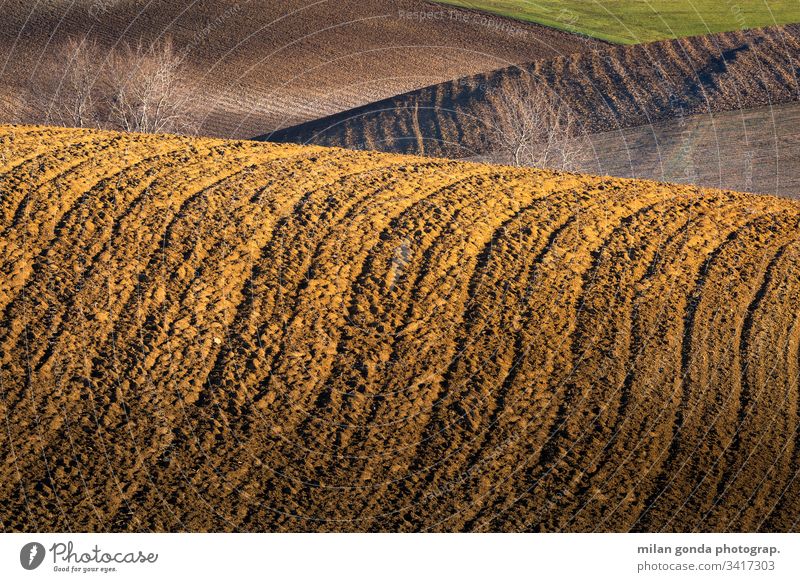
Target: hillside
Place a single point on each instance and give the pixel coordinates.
(610, 89)
(632, 22)
(752, 150)
(261, 65)
(207, 335)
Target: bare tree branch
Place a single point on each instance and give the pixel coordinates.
(147, 90)
(73, 99)
(136, 88)
(532, 127)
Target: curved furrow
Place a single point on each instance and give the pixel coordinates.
(454, 442)
(228, 336)
(371, 277)
(330, 305)
(76, 227)
(48, 207)
(536, 462)
(381, 434)
(67, 177)
(302, 212)
(594, 392)
(717, 422)
(634, 453)
(136, 252)
(703, 252)
(678, 67)
(347, 315)
(605, 336)
(72, 396)
(541, 359)
(290, 255)
(260, 293)
(768, 68)
(719, 425)
(783, 506)
(479, 409)
(44, 164)
(385, 279)
(612, 489)
(164, 406)
(204, 330)
(748, 399)
(78, 235)
(59, 283)
(542, 502)
(337, 295)
(72, 360)
(681, 275)
(24, 144)
(170, 340)
(177, 260)
(281, 268)
(663, 87)
(759, 456)
(689, 453)
(201, 276)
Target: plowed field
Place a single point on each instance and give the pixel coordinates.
(608, 89)
(257, 65)
(207, 335)
(752, 150)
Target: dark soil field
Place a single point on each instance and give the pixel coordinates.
(752, 150)
(610, 89)
(259, 65)
(206, 335)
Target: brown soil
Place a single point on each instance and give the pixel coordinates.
(260, 65)
(206, 335)
(752, 150)
(609, 89)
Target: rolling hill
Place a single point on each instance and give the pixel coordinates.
(610, 89)
(259, 65)
(752, 150)
(206, 335)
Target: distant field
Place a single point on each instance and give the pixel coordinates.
(262, 65)
(756, 150)
(622, 87)
(637, 21)
(753, 150)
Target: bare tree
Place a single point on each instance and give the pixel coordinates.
(80, 81)
(71, 99)
(147, 91)
(531, 127)
(134, 88)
